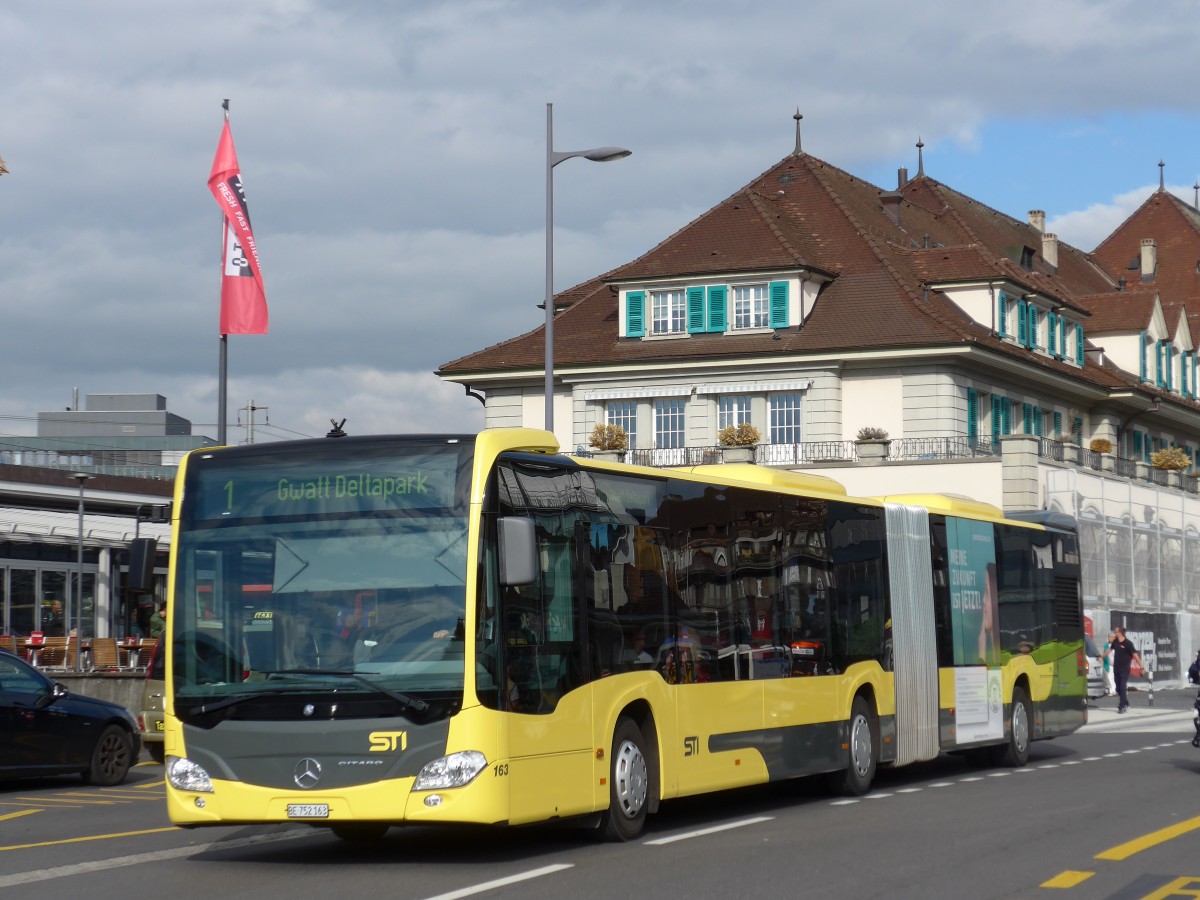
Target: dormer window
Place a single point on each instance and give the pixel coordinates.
(668, 312)
(751, 306)
(1027, 258)
(706, 309)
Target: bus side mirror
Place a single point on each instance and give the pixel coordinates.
(142, 553)
(518, 550)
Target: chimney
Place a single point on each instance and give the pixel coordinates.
(1050, 249)
(891, 205)
(1037, 219)
(901, 177)
(1149, 259)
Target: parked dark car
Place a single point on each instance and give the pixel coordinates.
(46, 730)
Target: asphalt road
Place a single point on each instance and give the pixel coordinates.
(1112, 811)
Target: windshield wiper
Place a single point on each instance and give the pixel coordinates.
(205, 708)
(413, 703)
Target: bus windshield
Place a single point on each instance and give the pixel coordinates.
(308, 570)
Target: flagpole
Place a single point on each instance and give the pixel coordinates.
(223, 376)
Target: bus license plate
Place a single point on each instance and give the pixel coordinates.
(308, 810)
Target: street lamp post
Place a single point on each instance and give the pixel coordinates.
(81, 478)
(597, 154)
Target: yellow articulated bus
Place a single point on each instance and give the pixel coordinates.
(367, 632)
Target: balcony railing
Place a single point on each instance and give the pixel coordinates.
(942, 448)
(909, 450)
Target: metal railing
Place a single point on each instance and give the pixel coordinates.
(941, 448)
(908, 450)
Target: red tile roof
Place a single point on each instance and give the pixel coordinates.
(806, 216)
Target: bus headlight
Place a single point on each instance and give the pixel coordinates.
(185, 775)
(451, 771)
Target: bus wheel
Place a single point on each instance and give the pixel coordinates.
(628, 784)
(1016, 752)
(360, 831)
(855, 780)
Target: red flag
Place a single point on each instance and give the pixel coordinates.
(243, 300)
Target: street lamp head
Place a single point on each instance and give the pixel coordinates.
(596, 154)
(81, 477)
(607, 154)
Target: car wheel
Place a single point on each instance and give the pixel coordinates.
(111, 758)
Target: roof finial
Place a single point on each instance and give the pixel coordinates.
(1161, 166)
(797, 117)
(920, 157)
(1196, 201)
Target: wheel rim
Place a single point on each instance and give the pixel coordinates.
(113, 751)
(630, 779)
(860, 745)
(1020, 727)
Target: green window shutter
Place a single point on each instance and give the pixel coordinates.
(695, 310)
(1183, 374)
(1052, 333)
(1077, 430)
(635, 314)
(972, 415)
(1031, 331)
(997, 415)
(717, 298)
(1158, 363)
(779, 304)
(1022, 323)
(1002, 314)
(1005, 410)
(1142, 357)
(1037, 421)
(1079, 344)
(1137, 444)
(1058, 425)
(1026, 418)
(1169, 357)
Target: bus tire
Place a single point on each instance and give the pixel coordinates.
(360, 831)
(862, 752)
(628, 784)
(1015, 753)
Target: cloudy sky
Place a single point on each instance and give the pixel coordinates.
(393, 157)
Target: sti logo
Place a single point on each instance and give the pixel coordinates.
(385, 741)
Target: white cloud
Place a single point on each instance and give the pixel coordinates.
(393, 156)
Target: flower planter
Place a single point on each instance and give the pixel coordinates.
(609, 455)
(737, 454)
(872, 450)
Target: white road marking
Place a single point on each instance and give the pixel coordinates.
(120, 862)
(503, 882)
(716, 828)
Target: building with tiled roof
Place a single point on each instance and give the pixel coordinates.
(812, 304)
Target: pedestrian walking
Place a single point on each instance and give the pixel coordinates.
(1123, 653)
(1110, 684)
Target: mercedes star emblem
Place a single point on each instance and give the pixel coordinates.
(307, 773)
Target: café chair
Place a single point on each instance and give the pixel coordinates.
(104, 655)
(53, 653)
